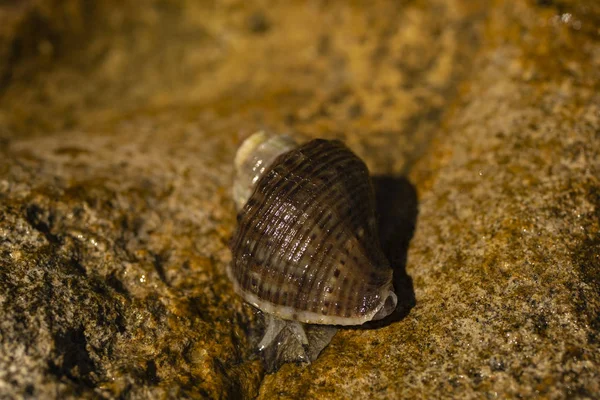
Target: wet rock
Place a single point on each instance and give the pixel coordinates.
(504, 257)
(109, 285)
(117, 130)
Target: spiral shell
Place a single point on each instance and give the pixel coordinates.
(306, 246)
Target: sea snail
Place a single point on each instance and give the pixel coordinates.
(306, 247)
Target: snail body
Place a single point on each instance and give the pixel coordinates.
(306, 248)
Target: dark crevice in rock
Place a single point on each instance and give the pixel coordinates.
(159, 260)
(75, 261)
(41, 220)
(150, 375)
(115, 283)
(72, 359)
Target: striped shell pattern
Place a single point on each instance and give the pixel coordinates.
(306, 246)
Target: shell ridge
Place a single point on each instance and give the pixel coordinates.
(325, 274)
(317, 279)
(310, 205)
(303, 161)
(254, 232)
(265, 211)
(306, 288)
(275, 239)
(323, 249)
(269, 202)
(300, 185)
(326, 265)
(267, 175)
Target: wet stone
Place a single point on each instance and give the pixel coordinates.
(118, 127)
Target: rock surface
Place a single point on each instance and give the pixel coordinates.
(117, 130)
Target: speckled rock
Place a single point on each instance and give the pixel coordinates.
(108, 284)
(118, 125)
(505, 259)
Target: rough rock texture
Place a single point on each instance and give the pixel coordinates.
(118, 124)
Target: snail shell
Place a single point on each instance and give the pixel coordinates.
(306, 246)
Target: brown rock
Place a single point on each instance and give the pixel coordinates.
(118, 124)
